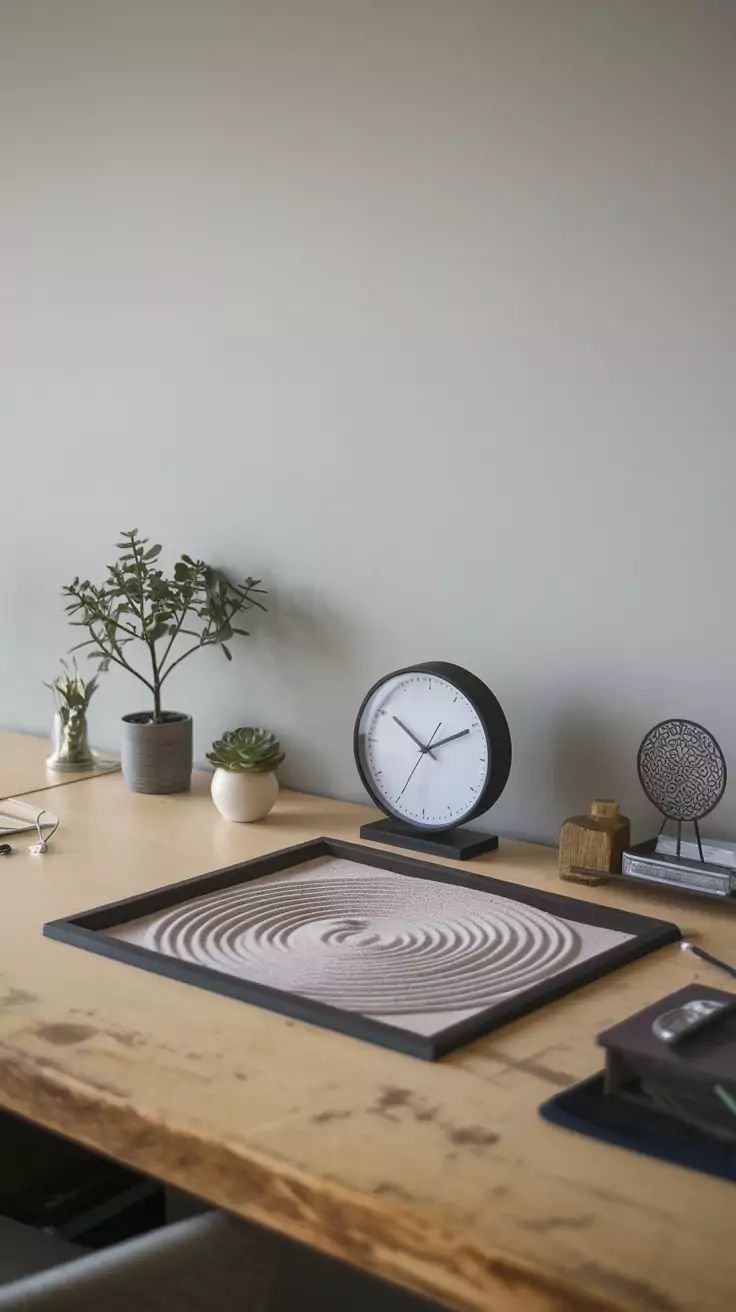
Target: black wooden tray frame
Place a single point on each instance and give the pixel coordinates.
(86, 930)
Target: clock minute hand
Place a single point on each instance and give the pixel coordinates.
(413, 737)
(451, 738)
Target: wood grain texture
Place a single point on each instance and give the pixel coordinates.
(593, 842)
(23, 766)
(440, 1177)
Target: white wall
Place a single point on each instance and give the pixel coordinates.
(422, 309)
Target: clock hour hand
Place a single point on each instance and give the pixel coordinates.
(451, 738)
(414, 738)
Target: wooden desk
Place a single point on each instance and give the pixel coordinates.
(440, 1177)
(23, 766)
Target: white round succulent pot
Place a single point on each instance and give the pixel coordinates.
(244, 795)
(244, 786)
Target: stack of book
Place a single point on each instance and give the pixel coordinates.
(716, 851)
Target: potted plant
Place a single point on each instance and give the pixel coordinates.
(244, 786)
(72, 694)
(137, 603)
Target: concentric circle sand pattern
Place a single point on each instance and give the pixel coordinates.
(370, 941)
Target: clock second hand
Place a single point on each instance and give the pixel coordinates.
(422, 753)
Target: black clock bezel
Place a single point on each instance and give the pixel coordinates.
(494, 725)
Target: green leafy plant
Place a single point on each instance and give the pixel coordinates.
(72, 693)
(246, 750)
(138, 603)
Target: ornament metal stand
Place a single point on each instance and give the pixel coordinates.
(683, 773)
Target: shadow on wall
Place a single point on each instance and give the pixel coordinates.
(303, 627)
(589, 757)
(307, 656)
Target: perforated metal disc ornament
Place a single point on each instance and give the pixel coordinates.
(682, 770)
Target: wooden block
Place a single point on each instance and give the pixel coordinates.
(593, 843)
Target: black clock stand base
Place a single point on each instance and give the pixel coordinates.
(458, 844)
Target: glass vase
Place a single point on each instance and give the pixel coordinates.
(69, 744)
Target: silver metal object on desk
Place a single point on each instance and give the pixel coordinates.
(11, 824)
(644, 863)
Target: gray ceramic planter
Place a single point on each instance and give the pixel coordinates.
(157, 758)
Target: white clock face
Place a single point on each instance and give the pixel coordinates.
(424, 750)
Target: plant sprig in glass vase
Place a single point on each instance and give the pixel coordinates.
(71, 692)
(72, 696)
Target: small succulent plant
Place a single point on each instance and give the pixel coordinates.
(242, 750)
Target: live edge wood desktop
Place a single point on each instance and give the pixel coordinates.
(440, 1177)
